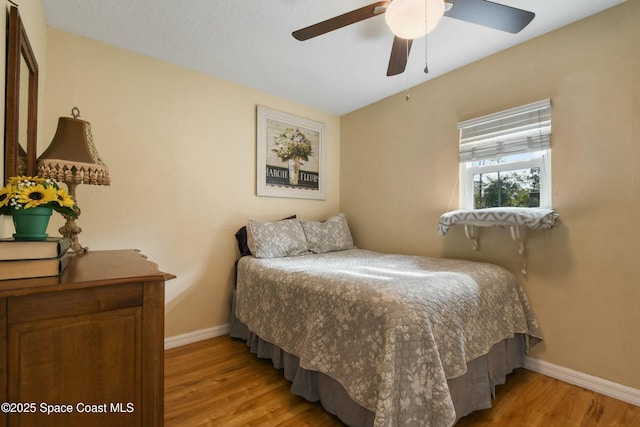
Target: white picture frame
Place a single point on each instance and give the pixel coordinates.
(291, 153)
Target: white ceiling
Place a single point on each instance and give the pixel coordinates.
(249, 42)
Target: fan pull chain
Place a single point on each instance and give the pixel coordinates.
(426, 67)
(406, 75)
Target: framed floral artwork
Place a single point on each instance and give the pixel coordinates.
(291, 156)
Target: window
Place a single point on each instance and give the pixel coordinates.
(505, 158)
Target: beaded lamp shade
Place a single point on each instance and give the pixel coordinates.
(72, 158)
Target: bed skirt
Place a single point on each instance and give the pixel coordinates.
(470, 392)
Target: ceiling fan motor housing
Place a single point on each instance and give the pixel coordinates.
(412, 19)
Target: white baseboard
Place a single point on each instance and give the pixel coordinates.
(195, 336)
(596, 384)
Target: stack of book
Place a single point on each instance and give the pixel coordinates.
(22, 259)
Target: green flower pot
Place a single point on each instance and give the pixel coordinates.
(31, 224)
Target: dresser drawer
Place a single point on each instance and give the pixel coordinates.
(74, 302)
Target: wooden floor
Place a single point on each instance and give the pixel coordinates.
(218, 382)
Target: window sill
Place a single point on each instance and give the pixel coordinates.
(533, 218)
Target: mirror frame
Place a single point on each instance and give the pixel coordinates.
(18, 49)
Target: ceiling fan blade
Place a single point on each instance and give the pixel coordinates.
(489, 14)
(399, 55)
(340, 21)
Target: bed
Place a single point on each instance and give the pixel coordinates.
(379, 339)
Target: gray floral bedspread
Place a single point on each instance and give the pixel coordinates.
(390, 328)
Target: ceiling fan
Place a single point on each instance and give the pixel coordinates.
(411, 19)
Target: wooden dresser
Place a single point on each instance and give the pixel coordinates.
(85, 348)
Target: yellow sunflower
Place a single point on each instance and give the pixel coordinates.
(5, 195)
(64, 199)
(35, 195)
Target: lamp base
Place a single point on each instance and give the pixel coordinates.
(71, 230)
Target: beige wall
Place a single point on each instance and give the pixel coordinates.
(181, 149)
(399, 173)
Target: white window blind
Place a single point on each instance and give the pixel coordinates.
(518, 130)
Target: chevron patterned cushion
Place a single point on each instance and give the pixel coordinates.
(534, 218)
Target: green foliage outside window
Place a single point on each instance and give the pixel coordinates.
(520, 188)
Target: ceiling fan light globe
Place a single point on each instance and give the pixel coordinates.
(406, 18)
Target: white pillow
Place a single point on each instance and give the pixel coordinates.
(276, 239)
(330, 235)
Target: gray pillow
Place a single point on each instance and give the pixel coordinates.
(276, 239)
(330, 235)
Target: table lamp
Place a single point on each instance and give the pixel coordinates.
(72, 158)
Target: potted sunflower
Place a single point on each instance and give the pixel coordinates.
(31, 201)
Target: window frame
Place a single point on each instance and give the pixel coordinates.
(543, 162)
(489, 133)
